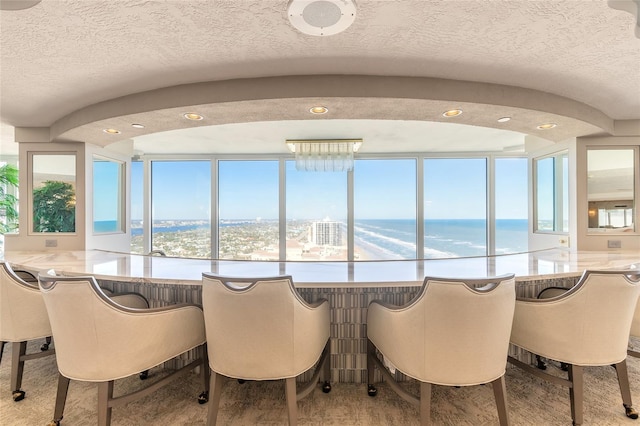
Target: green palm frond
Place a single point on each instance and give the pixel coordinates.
(8, 202)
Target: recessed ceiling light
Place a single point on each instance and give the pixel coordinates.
(112, 131)
(137, 126)
(547, 126)
(452, 113)
(503, 119)
(192, 116)
(318, 110)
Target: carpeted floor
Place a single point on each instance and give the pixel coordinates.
(531, 401)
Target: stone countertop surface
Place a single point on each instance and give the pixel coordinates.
(126, 267)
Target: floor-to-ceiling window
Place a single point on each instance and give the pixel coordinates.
(108, 208)
(181, 208)
(385, 209)
(511, 205)
(455, 207)
(551, 187)
(248, 209)
(316, 212)
(137, 206)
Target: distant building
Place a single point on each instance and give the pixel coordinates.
(326, 233)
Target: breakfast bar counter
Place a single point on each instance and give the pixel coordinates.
(349, 286)
(126, 267)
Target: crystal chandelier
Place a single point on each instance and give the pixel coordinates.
(324, 155)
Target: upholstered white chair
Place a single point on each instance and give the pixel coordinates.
(548, 293)
(635, 327)
(23, 317)
(30, 278)
(455, 332)
(99, 340)
(261, 329)
(635, 323)
(585, 326)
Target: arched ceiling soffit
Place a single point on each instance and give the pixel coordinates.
(346, 96)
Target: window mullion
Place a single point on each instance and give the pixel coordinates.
(282, 210)
(350, 217)
(420, 207)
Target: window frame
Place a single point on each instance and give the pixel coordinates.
(419, 187)
(121, 226)
(560, 187)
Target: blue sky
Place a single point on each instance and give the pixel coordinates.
(384, 189)
(106, 176)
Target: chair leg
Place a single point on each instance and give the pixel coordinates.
(203, 398)
(45, 345)
(576, 392)
(500, 394)
(292, 405)
(17, 368)
(371, 389)
(425, 403)
(215, 387)
(540, 363)
(61, 398)
(326, 371)
(1, 350)
(625, 390)
(105, 394)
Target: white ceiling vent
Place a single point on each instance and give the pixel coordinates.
(322, 17)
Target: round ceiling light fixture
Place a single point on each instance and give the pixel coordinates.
(547, 126)
(503, 119)
(321, 17)
(111, 131)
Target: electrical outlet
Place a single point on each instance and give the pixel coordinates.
(51, 243)
(614, 244)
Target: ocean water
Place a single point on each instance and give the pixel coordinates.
(396, 238)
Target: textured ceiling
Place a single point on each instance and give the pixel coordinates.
(65, 55)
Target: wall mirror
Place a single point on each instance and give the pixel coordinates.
(53, 192)
(610, 190)
(108, 198)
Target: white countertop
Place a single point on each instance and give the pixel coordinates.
(552, 263)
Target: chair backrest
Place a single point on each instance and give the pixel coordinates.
(593, 319)
(261, 329)
(455, 332)
(23, 315)
(85, 324)
(635, 324)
